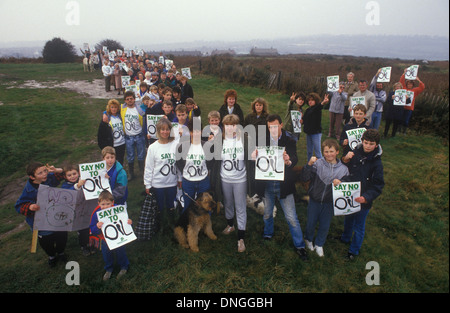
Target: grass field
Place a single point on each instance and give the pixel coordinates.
(407, 231)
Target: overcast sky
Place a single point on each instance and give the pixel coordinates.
(133, 22)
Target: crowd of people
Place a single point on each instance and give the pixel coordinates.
(184, 156)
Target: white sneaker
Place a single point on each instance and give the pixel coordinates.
(309, 245)
(228, 230)
(319, 251)
(241, 245)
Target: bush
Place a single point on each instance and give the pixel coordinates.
(58, 50)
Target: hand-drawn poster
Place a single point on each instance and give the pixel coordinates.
(96, 182)
(385, 75)
(151, 124)
(269, 163)
(354, 136)
(354, 101)
(412, 72)
(400, 97)
(186, 71)
(332, 83)
(169, 64)
(410, 95)
(344, 196)
(296, 117)
(125, 81)
(62, 209)
(115, 228)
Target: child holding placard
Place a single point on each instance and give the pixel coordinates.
(73, 182)
(52, 242)
(116, 174)
(105, 201)
(364, 164)
(358, 121)
(321, 173)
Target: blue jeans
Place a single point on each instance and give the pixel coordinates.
(354, 225)
(376, 120)
(288, 206)
(318, 213)
(407, 117)
(108, 257)
(192, 188)
(165, 197)
(137, 141)
(313, 144)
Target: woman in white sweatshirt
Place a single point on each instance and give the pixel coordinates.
(161, 175)
(233, 176)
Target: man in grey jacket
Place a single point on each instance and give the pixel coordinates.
(369, 101)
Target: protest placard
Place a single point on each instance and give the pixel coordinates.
(95, 180)
(354, 136)
(125, 81)
(62, 209)
(186, 71)
(332, 83)
(385, 75)
(410, 95)
(169, 64)
(296, 117)
(400, 97)
(412, 72)
(269, 163)
(151, 124)
(354, 101)
(115, 228)
(344, 196)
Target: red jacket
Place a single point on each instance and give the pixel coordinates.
(417, 91)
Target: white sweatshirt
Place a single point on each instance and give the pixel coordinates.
(233, 162)
(160, 169)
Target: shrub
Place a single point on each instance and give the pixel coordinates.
(58, 50)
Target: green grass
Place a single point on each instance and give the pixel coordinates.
(406, 231)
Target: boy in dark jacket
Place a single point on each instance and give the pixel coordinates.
(364, 164)
(358, 120)
(52, 242)
(283, 190)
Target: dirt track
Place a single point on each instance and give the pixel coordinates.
(94, 89)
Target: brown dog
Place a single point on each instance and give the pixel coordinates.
(194, 219)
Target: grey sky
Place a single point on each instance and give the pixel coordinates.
(139, 21)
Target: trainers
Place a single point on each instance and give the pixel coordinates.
(228, 230)
(52, 261)
(107, 276)
(309, 245)
(241, 245)
(319, 251)
(302, 253)
(350, 256)
(121, 273)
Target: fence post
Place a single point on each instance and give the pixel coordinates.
(279, 81)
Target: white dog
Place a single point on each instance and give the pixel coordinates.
(257, 204)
